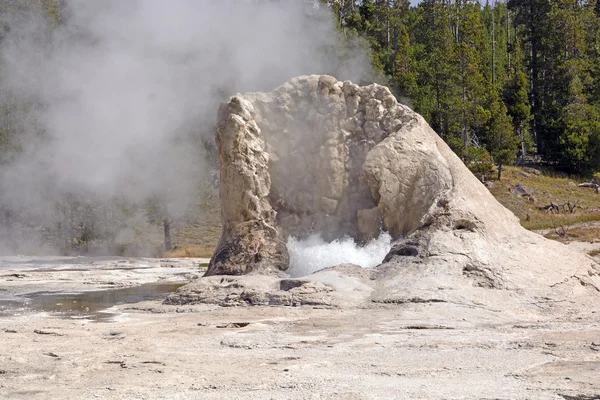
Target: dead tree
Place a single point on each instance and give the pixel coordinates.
(167, 230)
(561, 230)
(567, 207)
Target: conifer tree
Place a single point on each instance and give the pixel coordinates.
(437, 71)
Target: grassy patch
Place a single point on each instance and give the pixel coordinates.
(547, 187)
(578, 233)
(198, 232)
(198, 251)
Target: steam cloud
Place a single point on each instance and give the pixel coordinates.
(114, 101)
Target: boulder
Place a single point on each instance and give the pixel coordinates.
(533, 171)
(522, 191)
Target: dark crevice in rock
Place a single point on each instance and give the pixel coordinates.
(465, 224)
(406, 301)
(288, 284)
(424, 327)
(404, 251)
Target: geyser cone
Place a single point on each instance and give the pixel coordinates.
(293, 164)
(319, 156)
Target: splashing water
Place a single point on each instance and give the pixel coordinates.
(313, 253)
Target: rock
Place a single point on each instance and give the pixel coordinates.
(532, 171)
(370, 223)
(328, 206)
(524, 174)
(309, 158)
(325, 288)
(329, 159)
(235, 325)
(521, 190)
(373, 131)
(374, 110)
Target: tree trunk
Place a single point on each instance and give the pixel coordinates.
(508, 46)
(523, 150)
(493, 46)
(465, 132)
(499, 171)
(535, 95)
(167, 229)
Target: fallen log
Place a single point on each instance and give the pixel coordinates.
(590, 184)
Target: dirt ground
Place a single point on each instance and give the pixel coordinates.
(148, 350)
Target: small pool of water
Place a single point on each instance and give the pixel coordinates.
(88, 305)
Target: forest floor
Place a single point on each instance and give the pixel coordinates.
(578, 227)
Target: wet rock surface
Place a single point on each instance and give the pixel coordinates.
(84, 287)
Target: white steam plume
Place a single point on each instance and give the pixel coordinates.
(114, 99)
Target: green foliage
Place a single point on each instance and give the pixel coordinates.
(580, 138)
(517, 100)
(499, 134)
(518, 75)
(478, 160)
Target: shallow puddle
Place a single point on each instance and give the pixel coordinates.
(86, 305)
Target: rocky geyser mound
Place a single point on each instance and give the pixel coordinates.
(318, 155)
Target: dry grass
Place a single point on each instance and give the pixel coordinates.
(200, 251)
(197, 234)
(547, 187)
(578, 233)
(594, 253)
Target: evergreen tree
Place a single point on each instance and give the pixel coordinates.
(517, 100)
(531, 18)
(437, 70)
(500, 139)
(568, 80)
(470, 44)
(401, 64)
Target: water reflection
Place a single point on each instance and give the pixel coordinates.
(87, 304)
